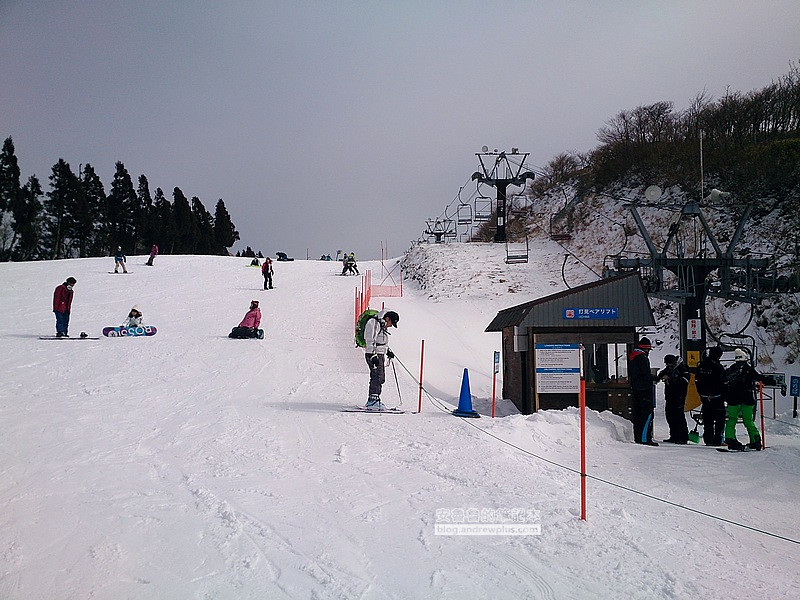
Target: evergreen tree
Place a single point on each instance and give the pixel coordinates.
(164, 223)
(225, 234)
(144, 216)
(204, 243)
(81, 224)
(27, 212)
(121, 206)
(96, 200)
(185, 223)
(9, 195)
(58, 216)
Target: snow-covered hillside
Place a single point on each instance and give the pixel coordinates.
(190, 465)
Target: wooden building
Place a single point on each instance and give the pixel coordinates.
(591, 327)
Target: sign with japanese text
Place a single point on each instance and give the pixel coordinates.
(591, 313)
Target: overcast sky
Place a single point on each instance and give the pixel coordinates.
(333, 125)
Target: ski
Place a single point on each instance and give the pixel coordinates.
(119, 273)
(385, 411)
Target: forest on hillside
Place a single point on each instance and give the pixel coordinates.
(77, 218)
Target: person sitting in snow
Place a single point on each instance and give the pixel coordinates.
(134, 317)
(248, 328)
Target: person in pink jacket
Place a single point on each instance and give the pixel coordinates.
(248, 328)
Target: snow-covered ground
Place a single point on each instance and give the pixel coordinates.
(189, 465)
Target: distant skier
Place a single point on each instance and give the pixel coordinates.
(248, 328)
(119, 260)
(153, 254)
(376, 336)
(266, 271)
(642, 380)
(134, 318)
(675, 376)
(62, 305)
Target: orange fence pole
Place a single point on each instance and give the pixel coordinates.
(583, 448)
(761, 400)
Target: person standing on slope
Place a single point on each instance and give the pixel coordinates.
(710, 382)
(740, 380)
(642, 385)
(62, 305)
(675, 376)
(376, 349)
(153, 254)
(266, 271)
(119, 260)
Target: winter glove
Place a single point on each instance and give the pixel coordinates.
(374, 360)
(389, 354)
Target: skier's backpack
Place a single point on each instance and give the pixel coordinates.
(737, 379)
(361, 324)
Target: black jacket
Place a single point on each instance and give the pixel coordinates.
(639, 374)
(676, 381)
(741, 390)
(710, 378)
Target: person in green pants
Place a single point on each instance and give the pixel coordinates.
(740, 380)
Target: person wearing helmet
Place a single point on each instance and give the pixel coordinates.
(740, 380)
(710, 382)
(642, 383)
(134, 318)
(248, 328)
(119, 260)
(376, 349)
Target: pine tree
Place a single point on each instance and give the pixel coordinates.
(58, 211)
(27, 213)
(164, 223)
(121, 207)
(9, 196)
(144, 216)
(185, 224)
(96, 200)
(225, 234)
(204, 243)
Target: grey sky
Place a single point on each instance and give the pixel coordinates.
(337, 125)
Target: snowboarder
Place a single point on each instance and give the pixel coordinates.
(642, 385)
(119, 260)
(134, 318)
(740, 379)
(266, 271)
(62, 305)
(710, 382)
(376, 337)
(248, 328)
(675, 376)
(153, 254)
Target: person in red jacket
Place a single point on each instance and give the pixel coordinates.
(62, 304)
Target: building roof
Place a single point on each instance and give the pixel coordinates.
(613, 302)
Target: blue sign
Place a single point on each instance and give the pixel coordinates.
(795, 386)
(591, 313)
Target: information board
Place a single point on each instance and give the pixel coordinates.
(558, 368)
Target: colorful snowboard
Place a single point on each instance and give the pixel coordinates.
(147, 330)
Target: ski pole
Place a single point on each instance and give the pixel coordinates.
(397, 383)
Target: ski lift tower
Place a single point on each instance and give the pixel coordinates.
(501, 169)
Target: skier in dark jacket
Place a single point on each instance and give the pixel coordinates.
(62, 304)
(675, 376)
(710, 382)
(642, 383)
(740, 380)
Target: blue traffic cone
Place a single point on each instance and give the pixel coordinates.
(465, 400)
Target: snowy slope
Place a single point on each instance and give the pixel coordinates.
(189, 465)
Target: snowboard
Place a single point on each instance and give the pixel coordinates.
(385, 411)
(119, 273)
(745, 449)
(55, 337)
(147, 330)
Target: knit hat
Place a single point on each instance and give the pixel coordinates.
(670, 359)
(740, 354)
(715, 352)
(644, 344)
